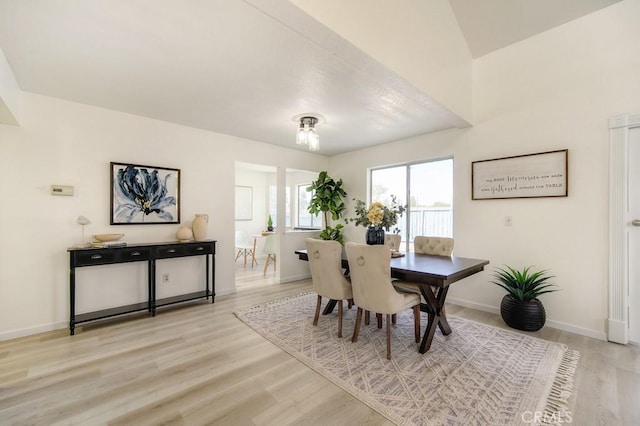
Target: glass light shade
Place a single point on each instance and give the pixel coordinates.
(314, 140)
(301, 138)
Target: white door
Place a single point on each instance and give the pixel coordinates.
(634, 234)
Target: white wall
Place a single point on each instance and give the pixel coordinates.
(553, 91)
(61, 142)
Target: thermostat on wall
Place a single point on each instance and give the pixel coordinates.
(61, 190)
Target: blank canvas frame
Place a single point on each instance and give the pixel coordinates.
(244, 203)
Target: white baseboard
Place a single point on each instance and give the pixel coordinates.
(595, 334)
(226, 292)
(15, 334)
(284, 280)
(618, 331)
(473, 305)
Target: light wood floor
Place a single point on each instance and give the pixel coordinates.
(198, 364)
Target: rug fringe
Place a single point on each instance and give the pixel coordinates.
(556, 407)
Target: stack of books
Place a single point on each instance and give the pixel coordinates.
(107, 244)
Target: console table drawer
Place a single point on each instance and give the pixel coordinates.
(199, 249)
(163, 252)
(134, 254)
(94, 257)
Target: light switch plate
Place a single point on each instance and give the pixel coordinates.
(62, 190)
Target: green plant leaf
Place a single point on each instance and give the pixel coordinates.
(523, 284)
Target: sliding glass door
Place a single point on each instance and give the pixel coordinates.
(428, 187)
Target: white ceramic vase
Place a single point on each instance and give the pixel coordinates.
(199, 227)
(184, 234)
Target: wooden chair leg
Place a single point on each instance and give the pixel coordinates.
(349, 303)
(416, 322)
(367, 317)
(388, 335)
(379, 319)
(340, 318)
(394, 319)
(356, 328)
(315, 318)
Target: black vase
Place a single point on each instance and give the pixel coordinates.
(375, 236)
(525, 316)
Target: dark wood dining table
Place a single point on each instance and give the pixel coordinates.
(429, 272)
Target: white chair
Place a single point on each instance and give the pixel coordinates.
(270, 250)
(392, 241)
(245, 248)
(370, 270)
(325, 262)
(438, 246)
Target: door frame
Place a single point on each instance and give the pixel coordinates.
(618, 320)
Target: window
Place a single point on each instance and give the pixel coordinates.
(429, 188)
(273, 205)
(306, 219)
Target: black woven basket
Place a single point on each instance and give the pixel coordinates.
(526, 316)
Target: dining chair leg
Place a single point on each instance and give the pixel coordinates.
(367, 317)
(416, 322)
(388, 335)
(340, 318)
(394, 319)
(356, 328)
(379, 319)
(315, 318)
(349, 303)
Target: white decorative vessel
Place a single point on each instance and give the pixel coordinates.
(199, 227)
(184, 234)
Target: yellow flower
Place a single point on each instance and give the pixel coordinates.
(376, 214)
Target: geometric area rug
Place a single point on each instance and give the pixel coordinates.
(477, 375)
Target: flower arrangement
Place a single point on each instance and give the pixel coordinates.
(378, 215)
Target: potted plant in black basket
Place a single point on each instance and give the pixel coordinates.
(520, 307)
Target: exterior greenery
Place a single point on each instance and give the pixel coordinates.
(522, 284)
(327, 198)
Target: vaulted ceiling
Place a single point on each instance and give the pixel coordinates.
(229, 67)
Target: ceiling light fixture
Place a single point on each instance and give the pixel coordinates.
(307, 134)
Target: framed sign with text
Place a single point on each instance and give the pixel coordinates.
(542, 174)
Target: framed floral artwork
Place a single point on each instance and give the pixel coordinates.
(144, 195)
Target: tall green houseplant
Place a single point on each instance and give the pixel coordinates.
(327, 198)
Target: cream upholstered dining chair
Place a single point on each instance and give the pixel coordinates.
(370, 270)
(439, 246)
(325, 261)
(270, 251)
(392, 241)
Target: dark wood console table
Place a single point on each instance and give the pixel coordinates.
(150, 253)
